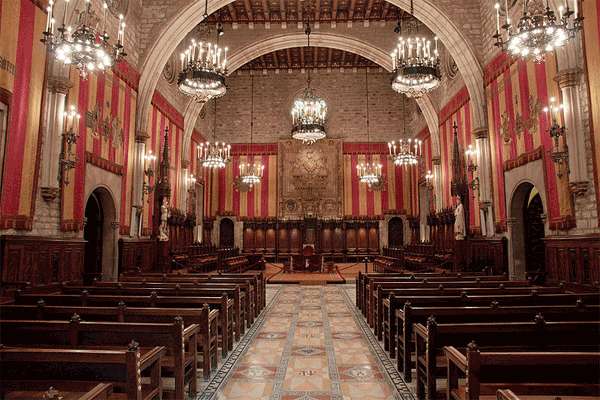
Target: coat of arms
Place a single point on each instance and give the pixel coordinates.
(531, 122)
(109, 127)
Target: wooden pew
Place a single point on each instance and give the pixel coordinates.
(243, 304)
(205, 319)
(526, 373)
(430, 339)
(409, 315)
(378, 306)
(223, 304)
(39, 368)
(101, 391)
(180, 342)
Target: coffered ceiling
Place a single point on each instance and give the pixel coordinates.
(305, 57)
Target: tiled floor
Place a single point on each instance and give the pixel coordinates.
(309, 344)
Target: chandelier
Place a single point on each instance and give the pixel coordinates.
(203, 69)
(251, 173)
(309, 111)
(369, 172)
(406, 152)
(415, 64)
(83, 46)
(538, 31)
(214, 155)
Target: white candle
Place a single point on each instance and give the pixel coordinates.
(497, 7)
(506, 11)
(575, 7)
(104, 8)
(65, 13)
(49, 16)
(182, 61)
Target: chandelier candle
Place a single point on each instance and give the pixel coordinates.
(203, 72)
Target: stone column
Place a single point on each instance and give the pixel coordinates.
(57, 88)
(437, 183)
(184, 185)
(137, 203)
(568, 82)
(484, 168)
(424, 207)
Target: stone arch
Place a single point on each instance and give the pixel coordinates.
(335, 41)
(427, 11)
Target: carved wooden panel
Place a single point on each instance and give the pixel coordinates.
(573, 258)
(137, 254)
(284, 240)
(248, 239)
(373, 238)
(270, 240)
(338, 239)
(310, 179)
(326, 239)
(41, 260)
(351, 242)
(362, 238)
(295, 240)
(259, 238)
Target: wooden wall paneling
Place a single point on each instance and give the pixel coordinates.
(574, 259)
(295, 240)
(362, 239)
(284, 239)
(373, 239)
(338, 239)
(40, 260)
(271, 239)
(326, 240)
(249, 244)
(351, 243)
(259, 238)
(137, 254)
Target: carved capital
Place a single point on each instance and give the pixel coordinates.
(141, 136)
(579, 188)
(436, 161)
(49, 193)
(185, 163)
(568, 78)
(481, 133)
(59, 84)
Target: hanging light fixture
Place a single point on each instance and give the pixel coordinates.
(406, 152)
(203, 68)
(83, 46)
(538, 31)
(369, 172)
(309, 111)
(214, 155)
(251, 173)
(415, 63)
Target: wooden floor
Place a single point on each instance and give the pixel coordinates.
(345, 272)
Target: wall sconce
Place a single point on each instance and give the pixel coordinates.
(149, 160)
(68, 159)
(471, 156)
(559, 154)
(429, 180)
(191, 181)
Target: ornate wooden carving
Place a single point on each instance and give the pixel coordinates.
(137, 254)
(573, 259)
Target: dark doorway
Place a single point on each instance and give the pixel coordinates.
(395, 233)
(533, 210)
(226, 233)
(92, 233)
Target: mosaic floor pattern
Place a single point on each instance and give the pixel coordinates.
(309, 345)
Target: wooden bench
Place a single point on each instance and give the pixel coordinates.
(40, 368)
(242, 300)
(386, 264)
(526, 373)
(539, 335)
(410, 315)
(205, 319)
(101, 391)
(180, 342)
(507, 394)
(223, 304)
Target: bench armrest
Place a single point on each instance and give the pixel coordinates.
(151, 356)
(455, 357)
(190, 331)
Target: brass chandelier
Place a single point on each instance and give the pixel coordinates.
(83, 46)
(203, 68)
(251, 173)
(369, 172)
(415, 63)
(214, 155)
(538, 31)
(309, 111)
(406, 152)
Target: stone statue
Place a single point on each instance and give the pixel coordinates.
(459, 220)
(163, 229)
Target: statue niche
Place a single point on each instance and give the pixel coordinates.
(310, 179)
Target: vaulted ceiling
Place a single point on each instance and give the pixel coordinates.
(247, 11)
(305, 57)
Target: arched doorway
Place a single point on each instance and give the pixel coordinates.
(92, 233)
(395, 232)
(527, 231)
(226, 233)
(100, 233)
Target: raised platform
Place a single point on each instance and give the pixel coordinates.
(345, 272)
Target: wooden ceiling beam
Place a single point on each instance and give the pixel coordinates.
(248, 9)
(369, 9)
(263, 64)
(385, 10)
(302, 57)
(343, 59)
(266, 11)
(282, 10)
(316, 57)
(317, 10)
(351, 9)
(334, 7)
(288, 54)
(299, 5)
(329, 57)
(276, 59)
(232, 12)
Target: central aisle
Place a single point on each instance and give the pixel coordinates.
(309, 345)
